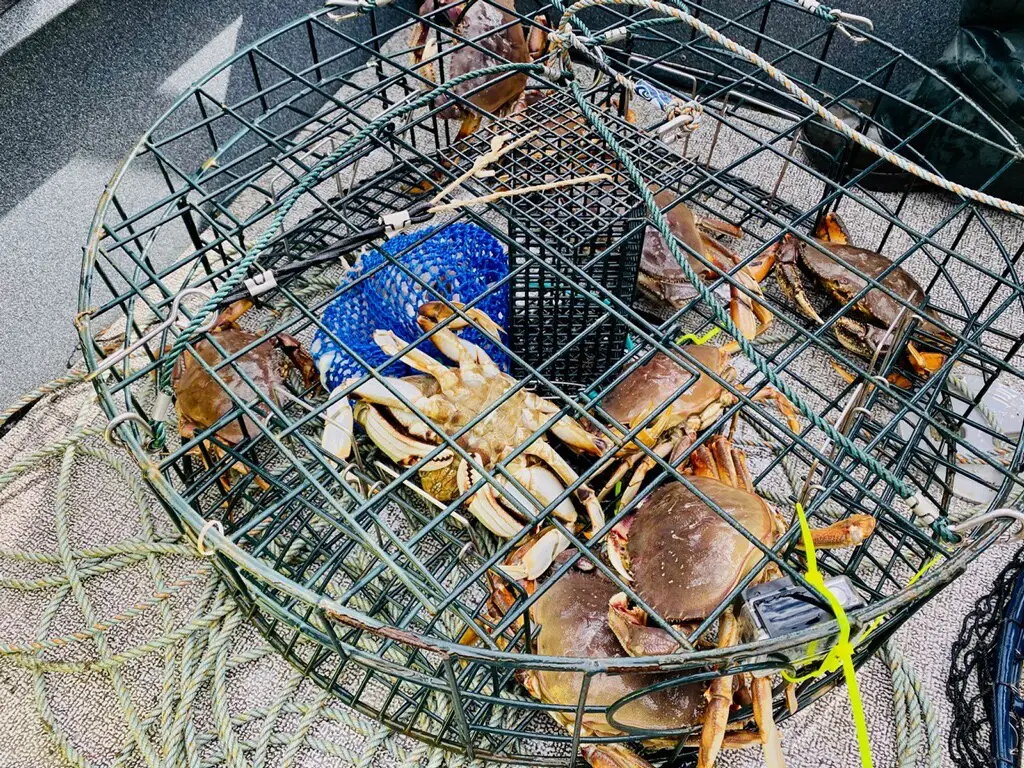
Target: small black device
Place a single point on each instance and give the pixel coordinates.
(779, 607)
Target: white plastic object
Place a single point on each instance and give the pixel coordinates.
(972, 480)
(260, 283)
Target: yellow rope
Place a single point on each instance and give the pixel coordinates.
(841, 654)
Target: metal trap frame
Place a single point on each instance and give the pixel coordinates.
(347, 570)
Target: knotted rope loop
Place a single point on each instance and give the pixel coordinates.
(838, 17)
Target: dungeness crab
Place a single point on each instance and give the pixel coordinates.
(694, 405)
(571, 619)
(864, 329)
(495, 37)
(453, 397)
(201, 400)
(664, 281)
(683, 559)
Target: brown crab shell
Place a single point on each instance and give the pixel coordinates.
(656, 260)
(508, 45)
(684, 557)
(876, 306)
(658, 379)
(202, 401)
(573, 619)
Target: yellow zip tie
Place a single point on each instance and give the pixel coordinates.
(702, 340)
(841, 654)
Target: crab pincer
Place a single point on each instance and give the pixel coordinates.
(863, 327)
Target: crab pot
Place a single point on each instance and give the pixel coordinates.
(385, 594)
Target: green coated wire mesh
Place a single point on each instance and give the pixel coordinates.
(367, 587)
(221, 698)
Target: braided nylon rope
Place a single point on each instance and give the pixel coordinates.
(193, 720)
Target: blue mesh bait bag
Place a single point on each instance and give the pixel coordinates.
(460, 261)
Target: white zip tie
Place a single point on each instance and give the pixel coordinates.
(201, 541)
(394, 222)
(161, 407)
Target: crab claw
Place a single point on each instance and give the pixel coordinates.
(634, 635)
(787, 272)
(850, 532)
(612, 756)
(337, 435)
(832, 229)
(543, 484)
(537, 40)
(484, 504)
(616, 547)
(533, 558)
(396, 446)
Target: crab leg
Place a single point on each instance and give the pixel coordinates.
(782, 403)
(711, 224)
(750, 316)
(567, 428)
(764, 716)
(546, 453)
(415, 358)
(850, 532)
(719, 696)
(453, 346)
(661, 450)
(620, 472)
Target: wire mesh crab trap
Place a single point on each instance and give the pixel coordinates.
(491, 424)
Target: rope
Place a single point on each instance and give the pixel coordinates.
(720, 313)
(564, 37)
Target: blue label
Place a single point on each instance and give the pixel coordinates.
(649, 92)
